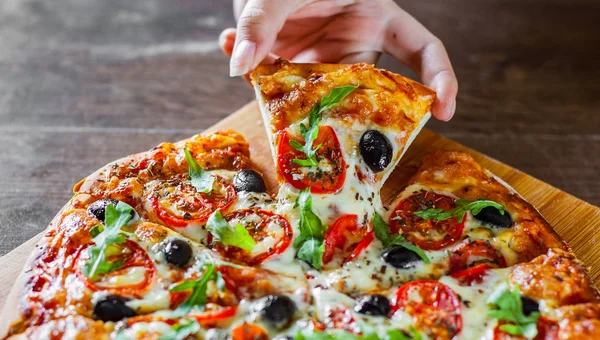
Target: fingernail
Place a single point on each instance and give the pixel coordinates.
(242, 58)
(450, 109)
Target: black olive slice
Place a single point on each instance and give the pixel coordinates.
(178, 252)
(492, 216)
(113, 308)
(376, 150)
(374, 305)
(277, 309)
(249, 180)
(401, 258)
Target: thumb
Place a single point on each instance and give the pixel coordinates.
(257, 29)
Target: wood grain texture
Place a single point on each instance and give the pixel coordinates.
(576, 221)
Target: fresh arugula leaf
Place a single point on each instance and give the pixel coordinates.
(311, 132)
(310, 241)
(340, 334)
(201, 180)
(462, 207)
(223, 232)
(509, 307)
(311, 251)
(383, 234)
(105, 236)
(394, 334)
(182, 330)
(197, 299)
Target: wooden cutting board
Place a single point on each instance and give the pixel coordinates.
(576, 221)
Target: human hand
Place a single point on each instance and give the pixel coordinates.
(338, 31)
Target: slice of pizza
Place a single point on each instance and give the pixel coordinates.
(338, 130)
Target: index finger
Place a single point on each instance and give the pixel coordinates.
(411, 43)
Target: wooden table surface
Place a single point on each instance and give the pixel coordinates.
(85, 82)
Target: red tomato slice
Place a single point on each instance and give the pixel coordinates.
(362, 245)
(472, 275)
(215, 315)
(434, 307)
(133, 256)
(177, 203)
(347, 237)
(320, 182)
(427, 234)
(249, 331)
(257, 222)
(473, 253)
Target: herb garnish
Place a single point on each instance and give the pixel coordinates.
(182, 330)
(201, 180)
(105, 236)
(310, 240)
(509, 307)
(221, 230)
(383, 234)
(462, 206)
(311, 132)
(335, 334)
(198, 287)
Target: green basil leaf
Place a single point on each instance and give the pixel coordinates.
(311, 132)
(462, 207)
(383, 234)
(223, 232)
(311, 251)
(197, 298)
(115, 218)
(201, 180)
(508, 307)
(310, 224)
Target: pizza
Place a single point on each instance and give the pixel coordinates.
(185, 241)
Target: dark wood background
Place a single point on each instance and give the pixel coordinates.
(85, 82)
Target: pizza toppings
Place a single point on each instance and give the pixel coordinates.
(228, 235)
(113, 308)
(373, 305)
(329, 173)
(461, 209)
(249, 331)
(198, 287)
(104, 236)
(250, 181)
(257, 235)
(427, 233)
(310, 241)
(177, 203)
(178, 252)
(494, 217)
(508, 307)
(401, 258)
(182, 330)
(310, 133)
(98, 208)
(474, 253)
(201, 180)
(347, 237)
(376, 150)
(131, 270)
(383, 233)
(434, 307)
(277, 309)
